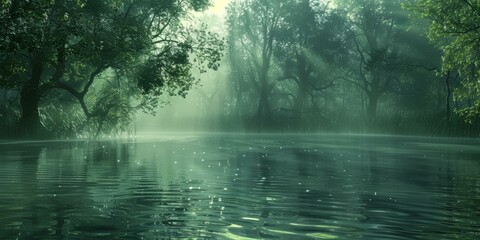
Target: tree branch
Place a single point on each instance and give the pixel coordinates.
(76, 94)
(93, 75)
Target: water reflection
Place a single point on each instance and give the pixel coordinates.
(220, 186)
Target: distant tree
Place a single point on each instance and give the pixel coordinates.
(253, 28)
(311, 37)
(375, 26)
(107, 55)
(240, 82)
(455, 26)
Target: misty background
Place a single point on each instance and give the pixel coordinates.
(419, 100)
(154, 119)
(365, 66)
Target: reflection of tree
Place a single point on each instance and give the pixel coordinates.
(137, 187)
(463, 204)
(28, 184)
(58, 175)
(264, 181)
(152, 193)
(304, 161)
(101, 188)
(45, 195)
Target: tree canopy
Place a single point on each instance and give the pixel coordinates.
(83, 66)
(455, 26)
(133, 51)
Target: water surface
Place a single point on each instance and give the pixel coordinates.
(241, 187)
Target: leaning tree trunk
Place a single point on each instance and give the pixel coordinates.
(29, 125)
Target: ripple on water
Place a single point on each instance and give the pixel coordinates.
(296, 187)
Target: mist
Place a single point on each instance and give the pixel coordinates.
(326, 73)
(240, 119)
(351, 67)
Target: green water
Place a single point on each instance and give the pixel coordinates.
(241, 187)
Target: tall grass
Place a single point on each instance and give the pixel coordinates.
(9, 117)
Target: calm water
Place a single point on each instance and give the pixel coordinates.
(242, 187)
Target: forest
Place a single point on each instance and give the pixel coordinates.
(85, 68)
(240, 119)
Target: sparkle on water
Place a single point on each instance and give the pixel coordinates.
(242, 187)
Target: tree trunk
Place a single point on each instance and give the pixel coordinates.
(263, 112)
(299, 104)
(302, 90)
(372, 107)
(29, 125)
(448, 97)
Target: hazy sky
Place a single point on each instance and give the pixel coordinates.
(218, 7)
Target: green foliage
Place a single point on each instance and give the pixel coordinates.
(253, 30)
(9, 116)
(387, 52)
(168, 71)
(81, 46)
(331, 60)
(454, 25)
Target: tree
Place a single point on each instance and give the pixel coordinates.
(129, 51)
(455, 26)
(255, 23)
(375, 27)
(310, 36)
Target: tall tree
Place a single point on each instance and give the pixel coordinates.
(374, 26)
(255, 23)
(455, 26)
(311, 36)
(74, 46)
